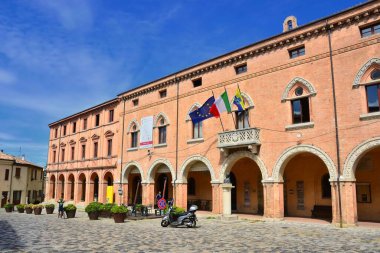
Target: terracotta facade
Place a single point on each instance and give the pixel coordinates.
(278, 167)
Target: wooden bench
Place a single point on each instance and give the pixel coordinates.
(324, 212)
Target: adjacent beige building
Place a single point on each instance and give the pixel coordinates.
(20, 181)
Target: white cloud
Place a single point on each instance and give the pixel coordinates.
(6, 77)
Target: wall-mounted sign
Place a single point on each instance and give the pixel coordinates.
(146, 132)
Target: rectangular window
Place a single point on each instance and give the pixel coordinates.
(97, 119)
(241, 69)
(63, 155)
(370, 30)
(56, 133)
(197, 130)
(35, 174)
(72, 153)
(111, 116)
(297, 52)
(162, 135)
(373, 98)
(17, 197)
(64, 130)
(83, 152)
(32, 175)
(85, 124)
(18, 173)
(134, 140)
(6, 175)
(242, 119)
(163, 93)
(197, 82)
(54, 153)
(74, 127)
(109, 149)
(300, 111)
(135, 102)
(95, 150)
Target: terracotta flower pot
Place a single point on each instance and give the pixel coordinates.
(70, 213)
(93, 215)
(105, 214)
(119, 217)
(28, 210)
(37, 211)
(49, 210)
(9, 209)
(21, 210)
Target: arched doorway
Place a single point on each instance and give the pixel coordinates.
(367, 175)
(135, 189)
(72, 186)
(52, 187)
(82, 188)
(94, 187)
(307, 190)
(61, 187)
(108, 190)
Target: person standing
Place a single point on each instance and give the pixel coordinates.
(60, 208)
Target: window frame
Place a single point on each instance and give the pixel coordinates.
(72, 153)
(6, 176)
(240, 69)
(64, 130)
(135, 102)
(96, 149)
(54, 156)
(378, 97)
(245, 120)
(74, 127)
(109, 147)
(307, 98)
(111, 115)
(18, 172)
(83, 151)
(298, 52)
(372, 31)
(197, 82)
(199, 127)
(63, 155)
(97, 120)
(85, 124)
(163, 93)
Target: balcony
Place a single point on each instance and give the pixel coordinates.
(249, 138)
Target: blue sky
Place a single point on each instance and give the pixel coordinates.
(60, 57)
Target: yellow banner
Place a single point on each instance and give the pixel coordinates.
(109, 194)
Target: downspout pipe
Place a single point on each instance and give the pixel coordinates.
(336, 125)
(121, 156)
(10, 185)
(176, 139)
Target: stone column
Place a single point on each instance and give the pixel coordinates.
(273, 200)
(227, 199)
(181, 195)
(148, 194)
(76, 191)
(348, 201)
(101, 192)
(216, 198)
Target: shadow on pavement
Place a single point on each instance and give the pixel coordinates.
(9, 240)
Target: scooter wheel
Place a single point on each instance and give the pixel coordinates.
(164, 223)
(192, 225)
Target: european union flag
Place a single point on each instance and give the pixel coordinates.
(203, 112)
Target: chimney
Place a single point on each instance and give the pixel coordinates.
(23, 157)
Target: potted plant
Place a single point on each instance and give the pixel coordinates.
(20, 208)
(105, 210)
(70, 210)
(119, 213)
(28, 208)
(38, 209)
(49, 208)
(8, 208)
(92, 210)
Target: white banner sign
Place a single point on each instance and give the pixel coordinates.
(146, 132)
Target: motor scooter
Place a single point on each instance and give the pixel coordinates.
(187, 218)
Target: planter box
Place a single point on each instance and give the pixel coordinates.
(119, 217)
(49, 210)
(37, 211)
(21, 210)
(28, 210)
(93, 215)
(105, 214)
(70, 213)
(9, 209)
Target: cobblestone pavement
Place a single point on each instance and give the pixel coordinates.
(47, 233)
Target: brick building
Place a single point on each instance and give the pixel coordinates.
(307, 144)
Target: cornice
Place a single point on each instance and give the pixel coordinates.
(82, 169)
(284, 40)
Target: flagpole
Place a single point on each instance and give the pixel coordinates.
(219, 114)
(243, 102)
(232, 114)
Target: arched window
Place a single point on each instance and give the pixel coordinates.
(375, 75)
(191, 186)
(373, 92)
(290, 25)
(134, 135)
(162, 131)
(325, 186)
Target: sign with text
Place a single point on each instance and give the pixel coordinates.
(146, 132)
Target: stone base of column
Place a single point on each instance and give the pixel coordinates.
(226, 217)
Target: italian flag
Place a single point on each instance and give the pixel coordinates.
(220, 105)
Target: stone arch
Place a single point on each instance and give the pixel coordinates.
(157, 118)
(192, 159)
(194, 106)
(150, 176)
(355, 155)
(231, 159)
(310, 88)
(134, 121)
(247, 99)
(288, 19)
(291, 152)
(127, 169)
(363, 70)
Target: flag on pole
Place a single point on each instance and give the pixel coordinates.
(221, 104)
(239, 101)
(203, 112)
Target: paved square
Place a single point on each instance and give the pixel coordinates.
(47, 233)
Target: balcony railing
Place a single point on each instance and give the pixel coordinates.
(239, 138)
